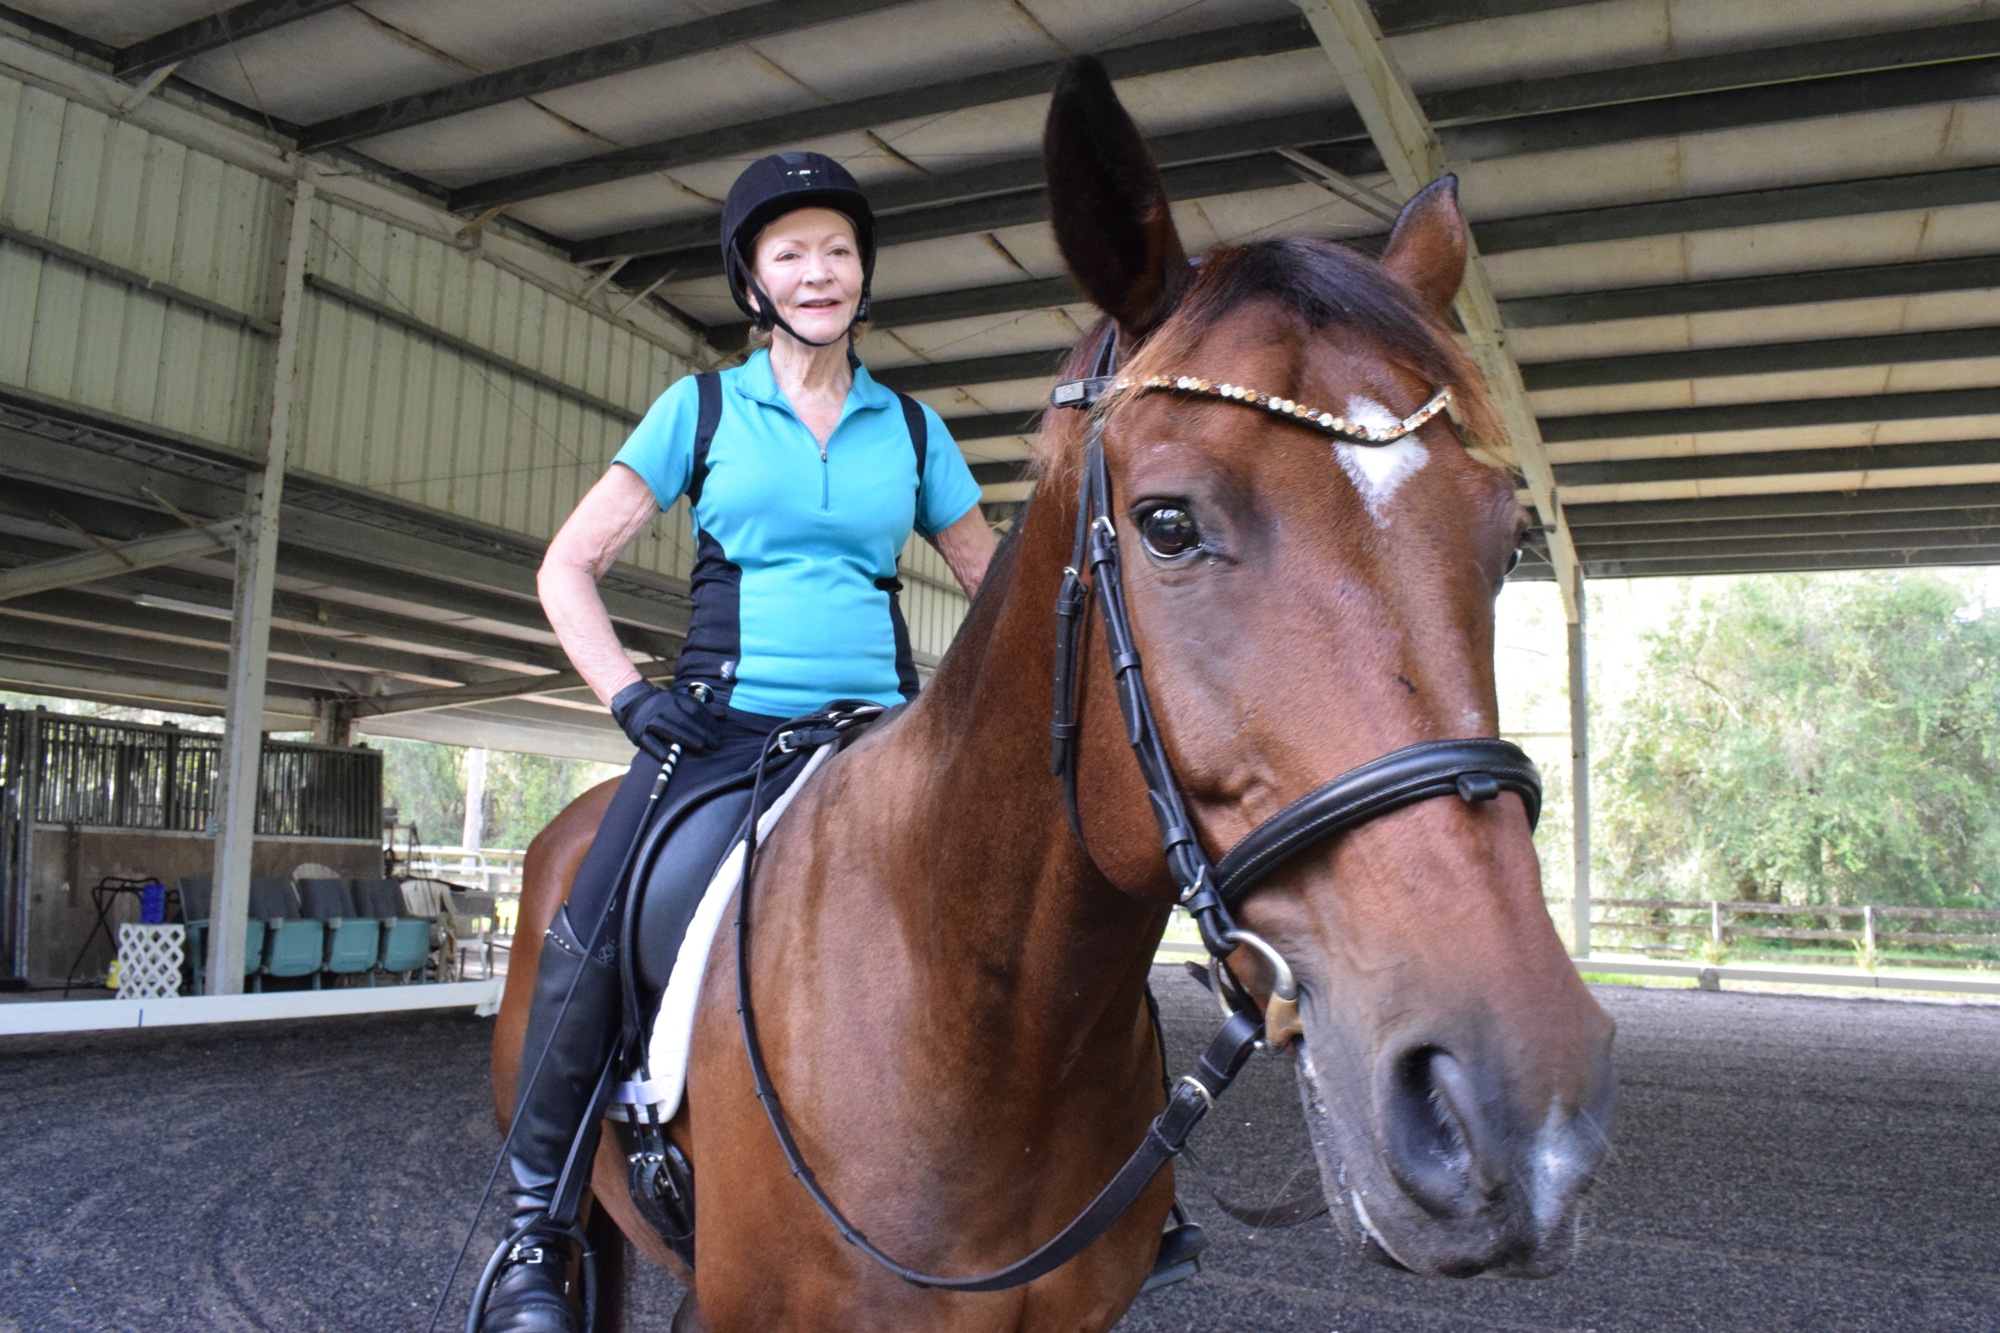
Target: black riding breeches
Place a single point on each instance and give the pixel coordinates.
(743, 737)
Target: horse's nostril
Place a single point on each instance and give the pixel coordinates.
(1432, 1131)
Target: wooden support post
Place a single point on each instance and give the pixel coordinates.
(1579, 777)
(1411, 151)
(250, 632)
(1868, 938)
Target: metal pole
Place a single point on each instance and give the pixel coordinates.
(25, 736)
(250, 633)
(1579, 776)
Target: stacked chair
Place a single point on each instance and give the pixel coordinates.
(406, 940)
(294, 943)
(319, 927)
(353, 941)
(195, 894)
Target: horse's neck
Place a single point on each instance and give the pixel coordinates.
(1066, 951)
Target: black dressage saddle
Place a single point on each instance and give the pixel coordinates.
(679, 854)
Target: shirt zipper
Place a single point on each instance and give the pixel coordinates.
(825, 500)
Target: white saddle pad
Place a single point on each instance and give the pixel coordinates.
(673, 1027)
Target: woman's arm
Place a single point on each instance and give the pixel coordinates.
(605, 521)
(967, 546)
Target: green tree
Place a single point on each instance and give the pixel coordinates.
(1812, 740)
(525, 791)
(426, 784)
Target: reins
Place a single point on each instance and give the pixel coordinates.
(1474, 769)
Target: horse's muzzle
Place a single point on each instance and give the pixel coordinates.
(1448, 1176)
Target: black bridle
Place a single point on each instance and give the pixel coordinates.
(1477, 769)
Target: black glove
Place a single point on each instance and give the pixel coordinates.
(656, 719)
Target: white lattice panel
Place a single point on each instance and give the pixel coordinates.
(149, 961)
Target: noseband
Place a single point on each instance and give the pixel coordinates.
(1474, 769)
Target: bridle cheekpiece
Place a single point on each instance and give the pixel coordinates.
(1474, 769)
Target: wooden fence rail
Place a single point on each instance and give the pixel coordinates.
(1736, 927)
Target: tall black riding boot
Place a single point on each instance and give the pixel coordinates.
(528, 1295)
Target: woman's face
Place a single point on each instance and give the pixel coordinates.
(808, 263)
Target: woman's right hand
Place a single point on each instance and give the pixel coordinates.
(657, 719)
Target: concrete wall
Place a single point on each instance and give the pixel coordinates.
(67, 863)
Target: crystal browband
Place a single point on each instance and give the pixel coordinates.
(1324, 422)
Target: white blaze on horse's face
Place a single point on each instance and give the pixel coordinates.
(1378, 470)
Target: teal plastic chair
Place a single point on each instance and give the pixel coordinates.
(194, 915)
(293, 946)
(406, 940)
(353, 941)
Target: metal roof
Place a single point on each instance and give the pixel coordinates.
(1746, 251)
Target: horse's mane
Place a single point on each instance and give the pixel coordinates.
(1329, 287)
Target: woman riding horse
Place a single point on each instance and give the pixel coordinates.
(804, 489)
(1269, 510)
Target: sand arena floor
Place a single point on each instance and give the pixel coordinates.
(1781, 1163)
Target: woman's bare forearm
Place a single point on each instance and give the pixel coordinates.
(603, 524)
(967, 546)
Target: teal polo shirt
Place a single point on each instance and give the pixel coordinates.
(795, 580)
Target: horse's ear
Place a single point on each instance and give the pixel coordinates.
(1108, 205)
(1427, 248)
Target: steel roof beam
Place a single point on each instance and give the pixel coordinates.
(1779, 415)
(1920, 67)
(751, 137)
(317, 515)
(773, 18)
(207, 34)
(1652, 100)
(207, 596)
(1606, 541)
(686, 250)
(1400, 16)
(1797, 563)
(146, 623)
(427, 701)
(902, 204)
(770, 19)
(64, 645)
(163, 548)
(1783, 463)
(1203, 164)
(1402, 128)
(919, 375)
(1729, 548)
(1743, 208)
(1592, 372)
(1762, 359)
(1775, 289)
(1894, 499)
(1753, 293)
(134, 684)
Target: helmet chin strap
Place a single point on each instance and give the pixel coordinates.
(767, 310)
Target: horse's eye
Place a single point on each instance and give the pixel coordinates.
(1169, 533)
(1513, 563)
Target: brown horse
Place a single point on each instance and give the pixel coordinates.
(951, 987)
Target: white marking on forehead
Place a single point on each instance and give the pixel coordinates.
(1378, 470)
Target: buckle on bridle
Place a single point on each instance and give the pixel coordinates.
(527, 1254)
(1190, 1081)
(1081, 393)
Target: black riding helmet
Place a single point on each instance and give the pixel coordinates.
(769, 188)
